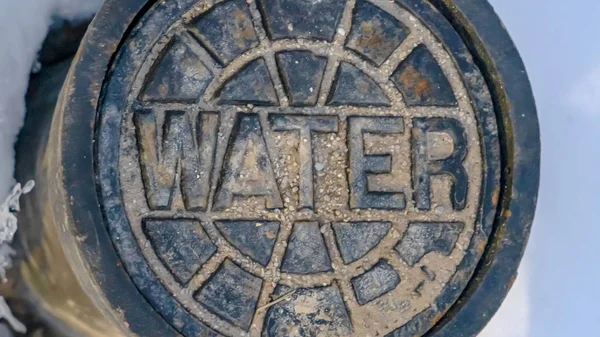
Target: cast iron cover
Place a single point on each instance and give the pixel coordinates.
(300, 167)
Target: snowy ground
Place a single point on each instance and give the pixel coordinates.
(23, 26)
(556, 294)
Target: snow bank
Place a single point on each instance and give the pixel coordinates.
(23, 26)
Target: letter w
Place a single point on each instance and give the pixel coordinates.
(180, 153)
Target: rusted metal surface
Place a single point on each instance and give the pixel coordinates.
(294, 172)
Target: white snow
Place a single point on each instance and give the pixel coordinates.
(23, 26)
(8, 225)
(6, 314)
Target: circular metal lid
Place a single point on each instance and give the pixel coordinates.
(300, 168)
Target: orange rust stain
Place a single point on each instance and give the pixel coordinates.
(163, 88)
(370, 35)
(245, 29)
(437, 318)
(508, 213)
(496, 196)
(411, 78)
(481, 246)
(270, 235)
(512, 280)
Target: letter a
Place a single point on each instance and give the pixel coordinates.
(247, 169)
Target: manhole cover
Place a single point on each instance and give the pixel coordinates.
(299, 168)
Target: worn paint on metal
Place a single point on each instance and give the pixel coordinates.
(386, 129)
